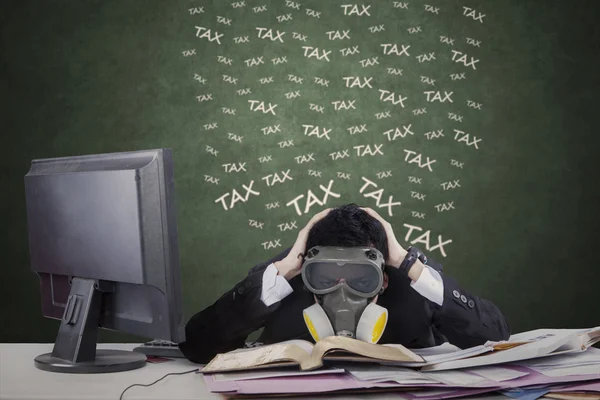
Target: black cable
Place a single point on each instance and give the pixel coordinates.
(158, 380)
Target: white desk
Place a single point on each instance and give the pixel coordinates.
(21, 380)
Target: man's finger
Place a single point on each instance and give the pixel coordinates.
(315, 219)
(320, 215)
(372, 213)
(375, 212)
(376, 215)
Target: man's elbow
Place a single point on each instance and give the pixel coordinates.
(498, 331)
(202, 352)
(503, 329)
(469, 335)
(196, 352)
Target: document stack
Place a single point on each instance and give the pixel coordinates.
(549, 363)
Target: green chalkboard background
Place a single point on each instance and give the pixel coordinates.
(83, 77)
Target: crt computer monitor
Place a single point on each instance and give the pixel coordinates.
(103, 241)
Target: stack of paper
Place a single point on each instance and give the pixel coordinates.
(556, 363)
(527, 345)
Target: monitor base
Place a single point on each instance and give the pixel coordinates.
(105, 361)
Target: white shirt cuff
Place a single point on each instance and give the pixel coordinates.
(274, 286)
(430, 285)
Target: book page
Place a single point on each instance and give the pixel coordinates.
(238, 360)
(304, 344)
(354, 346)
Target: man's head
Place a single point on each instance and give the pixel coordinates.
(348, 226)
(342, 308)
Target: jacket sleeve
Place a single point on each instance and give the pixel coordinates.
(465, 319)
(225, 325)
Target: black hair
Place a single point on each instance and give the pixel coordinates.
(348, 226)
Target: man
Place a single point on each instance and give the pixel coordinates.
(425, 306)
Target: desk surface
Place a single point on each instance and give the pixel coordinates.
(21, 380)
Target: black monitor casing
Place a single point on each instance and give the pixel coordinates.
(103, 239)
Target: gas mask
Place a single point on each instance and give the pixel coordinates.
(345, 280)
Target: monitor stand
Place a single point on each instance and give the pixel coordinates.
(75, 346)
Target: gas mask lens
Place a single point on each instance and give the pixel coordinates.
(362, 278)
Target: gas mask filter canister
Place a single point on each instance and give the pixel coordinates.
(345, 280)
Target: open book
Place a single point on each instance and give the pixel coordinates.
(309, 356)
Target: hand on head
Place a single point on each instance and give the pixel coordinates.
(291, 265)
(395, 250)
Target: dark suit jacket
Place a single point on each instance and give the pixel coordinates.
(413, 321)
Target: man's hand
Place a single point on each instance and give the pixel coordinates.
(396, 251)
(291, 265)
